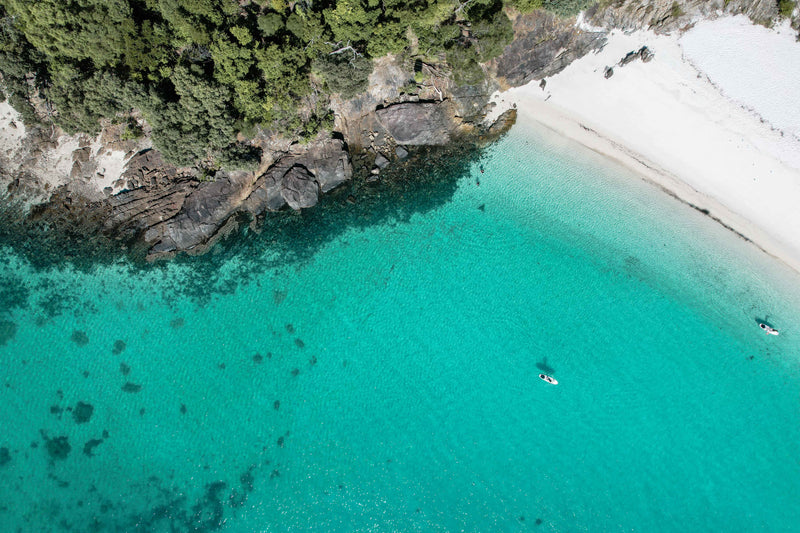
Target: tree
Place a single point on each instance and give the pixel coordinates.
(197, 125)
(78, 30)
(344, 73)
(351, 21)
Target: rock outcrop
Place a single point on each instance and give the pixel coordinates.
(664, 16)
(427, 123)
(543, 46)
(197, 213)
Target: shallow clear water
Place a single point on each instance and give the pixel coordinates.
(389, 382)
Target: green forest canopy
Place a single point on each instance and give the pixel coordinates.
(201, 70)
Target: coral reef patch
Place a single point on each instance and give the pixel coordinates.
(80, 338)
(58, 448)
(82, 412)
(119, 347)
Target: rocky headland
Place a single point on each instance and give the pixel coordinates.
(109, 193)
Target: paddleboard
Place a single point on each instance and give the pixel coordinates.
(769, 330)
(548, 379)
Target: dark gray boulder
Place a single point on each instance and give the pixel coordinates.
(328, 161)
(205, 210)
(266, 195)
(299, 188)
(297, 178)
(415, 123)
(630, 56)
(381, 161)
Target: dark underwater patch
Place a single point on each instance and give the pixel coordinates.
(8, 330)
(82, 412)
(91, 444)
(119, 347)
(5, 456)
(58, 448)
(80, 338)
(131, 388)
(278, 296)
(55, 301)
(14, 293)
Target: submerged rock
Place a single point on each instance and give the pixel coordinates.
(80, 338)
(119, 347)
(5, 456)
(82, 412)
(58, 448)
(88, 448)
(8, 331)
(131, 387)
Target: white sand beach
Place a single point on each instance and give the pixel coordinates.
(712, 118)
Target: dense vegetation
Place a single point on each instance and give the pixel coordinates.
(199, 71)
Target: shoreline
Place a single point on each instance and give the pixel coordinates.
(677, 129)
(571, 127)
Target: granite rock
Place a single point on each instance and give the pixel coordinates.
(424, 123)
(544, 45)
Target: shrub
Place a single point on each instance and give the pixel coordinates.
(786, 7)
(240, 156)
(525, 6)
(566, 8)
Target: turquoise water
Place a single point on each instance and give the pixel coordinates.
(388, 382)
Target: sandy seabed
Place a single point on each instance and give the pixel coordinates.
(712, 119)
